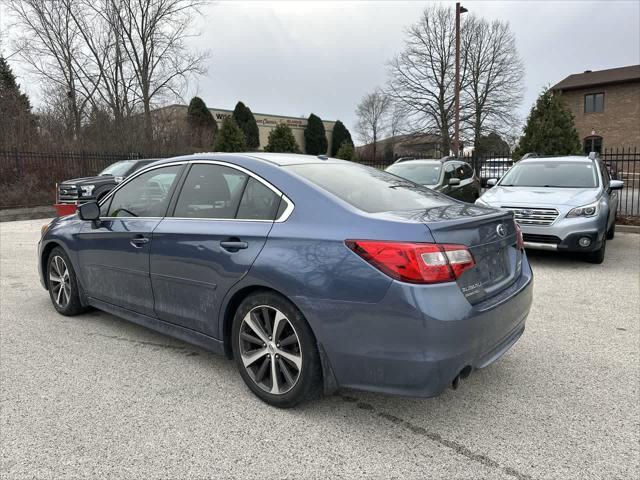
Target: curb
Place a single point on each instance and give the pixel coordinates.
(628, 228)
(31, 213)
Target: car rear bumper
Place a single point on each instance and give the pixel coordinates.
(418, 339)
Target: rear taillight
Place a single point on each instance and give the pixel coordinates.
(519, 237)
(415, 262)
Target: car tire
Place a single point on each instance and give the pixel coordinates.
(598, 256)
(261, 356)
(611, 232)
(63, 285)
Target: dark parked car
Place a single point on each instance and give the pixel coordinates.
(449, 176)
(86, 189)
(312, 273)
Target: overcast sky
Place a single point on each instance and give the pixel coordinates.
(294, 58)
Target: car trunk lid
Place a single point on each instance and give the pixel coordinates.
(488, 233)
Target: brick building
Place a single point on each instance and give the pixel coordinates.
(606, 106)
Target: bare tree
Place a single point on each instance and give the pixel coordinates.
(371, 112)
(153, 37)
(49, 43)
(422, 76)
(396, 123)
(494, 79)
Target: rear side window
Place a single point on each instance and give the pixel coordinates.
(147, 195)
(258, 202)
(368, 189)
(210, 191)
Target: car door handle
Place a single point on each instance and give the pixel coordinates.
(139, 241)
(233, 245)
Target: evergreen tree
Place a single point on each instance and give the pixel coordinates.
(17, 123)
(246, 121)
(339, 136)
(281, 140)
(491, 144)
(202, 126)
(315, 138)
(230, 138)
(550, 129)
(345, 152)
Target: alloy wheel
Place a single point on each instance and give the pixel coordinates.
(270, 349)
(59, 281)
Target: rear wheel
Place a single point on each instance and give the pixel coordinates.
(598, 255)
(275, 350)
(63, 284)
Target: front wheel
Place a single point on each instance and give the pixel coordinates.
(63, 284)
(275, 350)
(611, 232)
(598, 256)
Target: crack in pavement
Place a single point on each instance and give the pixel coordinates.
(436, 437)
(179, 348)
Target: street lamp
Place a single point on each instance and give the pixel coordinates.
(456, 136)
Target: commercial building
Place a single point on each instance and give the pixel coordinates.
(606, 106)
(266, 122)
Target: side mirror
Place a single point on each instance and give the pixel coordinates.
(89, 211)
(454, 181)
(616, 184)
(492, 182)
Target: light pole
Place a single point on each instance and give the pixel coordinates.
(456, 133)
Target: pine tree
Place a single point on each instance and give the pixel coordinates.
(202, 126)
(315, 138)
(246, 121)
(345, 152)
(230, 137)
(339, 136)
(550, 129)
(281, 140)
(17, 123)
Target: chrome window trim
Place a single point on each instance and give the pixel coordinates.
(282, 218)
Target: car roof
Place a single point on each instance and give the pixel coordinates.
(421, 160)
(279, 159)
(567, 158)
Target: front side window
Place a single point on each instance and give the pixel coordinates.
(210, 191)
(552, 174)
(464, 171)
(368, 189)
(594, 102)
(449, 173)
(147, 195)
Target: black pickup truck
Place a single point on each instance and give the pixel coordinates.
(81, 190)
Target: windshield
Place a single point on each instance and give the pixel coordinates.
(552, 174)
(118, 169)
(422, 173)
(368, 189)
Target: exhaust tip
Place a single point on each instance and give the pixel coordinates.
(456, 382)
(465, 372)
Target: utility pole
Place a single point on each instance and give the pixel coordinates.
(456, 135)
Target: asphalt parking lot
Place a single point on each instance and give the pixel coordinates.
(96, 397)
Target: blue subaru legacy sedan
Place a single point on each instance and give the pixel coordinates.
(311, 273)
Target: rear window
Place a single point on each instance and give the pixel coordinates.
(422, 173)
(368, 189)
(552, 174)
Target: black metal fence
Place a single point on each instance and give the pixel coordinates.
(29, 178)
